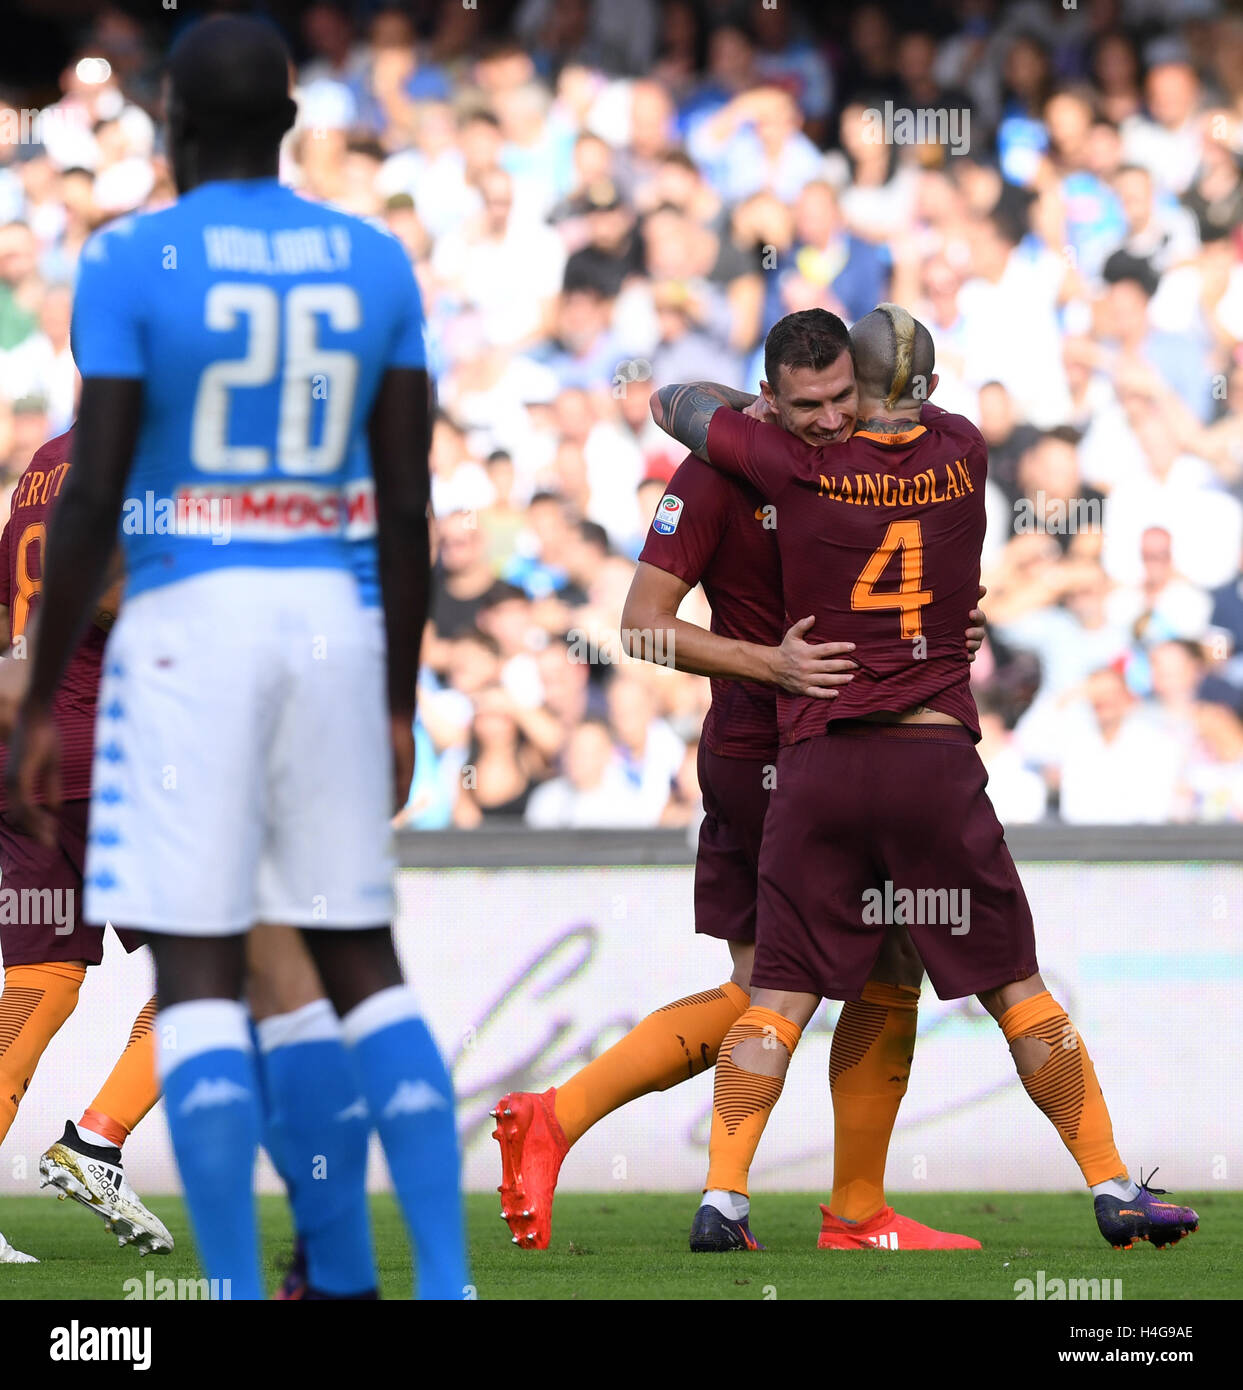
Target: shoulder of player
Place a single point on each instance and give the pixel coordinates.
(956, 425)
(120, 237)
(699, 482)
(44, 462)
(368, 233)
(54, 451)
(803, 456)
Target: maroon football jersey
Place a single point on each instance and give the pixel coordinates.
(22, 548)
(712, 530)
(880, 539)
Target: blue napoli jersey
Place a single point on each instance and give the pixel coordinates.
(260, 325)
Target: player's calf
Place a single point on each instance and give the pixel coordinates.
(1057, 1073)
(750, 1073)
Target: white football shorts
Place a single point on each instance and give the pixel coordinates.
(243, 771)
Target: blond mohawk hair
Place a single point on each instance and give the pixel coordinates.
(903, 349)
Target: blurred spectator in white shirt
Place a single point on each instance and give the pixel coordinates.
(1212, 778)
(1162, 605)
(1114, 769)
(1178, 492)
(42, 365)
(593, 792)
(1018, 792)
(508, 269)
(1158, 229)
(1166, 140)
(650, 752)
(1004, 292)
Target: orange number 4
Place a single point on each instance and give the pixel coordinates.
(27, 585)
(909, 598)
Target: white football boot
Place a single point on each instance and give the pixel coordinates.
(95, 1177)
(9, 1256)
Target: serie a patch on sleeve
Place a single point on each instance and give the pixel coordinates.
(668, 514)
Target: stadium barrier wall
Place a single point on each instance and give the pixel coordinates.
(531, 952)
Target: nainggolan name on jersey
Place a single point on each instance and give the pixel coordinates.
(886, 490)
(289, 251)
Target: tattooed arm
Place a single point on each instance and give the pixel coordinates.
(683, 411)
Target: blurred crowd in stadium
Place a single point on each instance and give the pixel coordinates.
(602, 197)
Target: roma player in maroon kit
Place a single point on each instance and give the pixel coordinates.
(880, 793)
(717, 531)
(45, 960)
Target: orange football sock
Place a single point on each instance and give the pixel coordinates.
(1065, 1086)
(743, 1100)
(667, 1047)
(36, 1000)
(869, 1065)
(131, 1088)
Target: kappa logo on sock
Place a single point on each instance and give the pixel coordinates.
(413, 1098)
(357, 1111)
(207, 1094)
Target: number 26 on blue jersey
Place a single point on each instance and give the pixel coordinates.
(330, 373)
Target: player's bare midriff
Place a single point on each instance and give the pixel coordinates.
(917, 714)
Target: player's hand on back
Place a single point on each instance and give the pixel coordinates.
(34, 768)
(978, 629)
(811, 668)
(14, 677)
(760, 410)
(401, 735)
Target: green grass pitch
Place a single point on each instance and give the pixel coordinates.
(634, 1246)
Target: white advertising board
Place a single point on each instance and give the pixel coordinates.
(527, 973)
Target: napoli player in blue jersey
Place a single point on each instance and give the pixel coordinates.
(238, 350)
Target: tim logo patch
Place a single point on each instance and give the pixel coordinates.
(668, 514)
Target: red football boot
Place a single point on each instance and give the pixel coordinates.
(887, 1231)
(532, 1148)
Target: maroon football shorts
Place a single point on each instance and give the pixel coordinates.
(735, 793)
(875, 823)
(27, 865)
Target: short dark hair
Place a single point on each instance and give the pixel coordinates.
(1123, 266)
(479, 638)
(230, 80)
(679, 159)
(810, 338)
(1062, 434)
(595, 534)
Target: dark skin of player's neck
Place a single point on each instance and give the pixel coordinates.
(195, 163)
